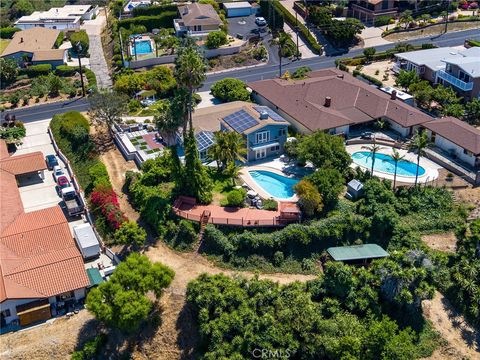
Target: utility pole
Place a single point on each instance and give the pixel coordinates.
(446, 17)
(79, 50)
(296, 31)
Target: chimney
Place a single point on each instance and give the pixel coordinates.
(393, 95)
(328, 101)
(21, 40)
(263, 115)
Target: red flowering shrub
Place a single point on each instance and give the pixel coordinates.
(105, 201)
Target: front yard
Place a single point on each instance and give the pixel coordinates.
(380, 70)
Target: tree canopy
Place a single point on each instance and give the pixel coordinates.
(230, 89)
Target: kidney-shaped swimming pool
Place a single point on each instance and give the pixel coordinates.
(276, 185)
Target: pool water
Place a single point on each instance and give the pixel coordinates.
(384, 163)
(142, 47)
(277, 186)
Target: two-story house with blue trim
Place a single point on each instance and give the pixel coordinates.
(264, 130)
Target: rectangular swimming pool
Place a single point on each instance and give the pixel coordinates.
(141, 47)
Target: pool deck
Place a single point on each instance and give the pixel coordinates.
(431, 168)
(252, 184)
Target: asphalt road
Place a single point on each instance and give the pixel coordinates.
(41, 112)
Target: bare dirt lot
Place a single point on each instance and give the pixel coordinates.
(442, 242)
(432, 30)
(463, 340)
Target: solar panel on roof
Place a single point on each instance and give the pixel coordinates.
(272, 114)
(240, 121)
(204, 140)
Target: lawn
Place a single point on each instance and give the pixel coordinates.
(3, 44)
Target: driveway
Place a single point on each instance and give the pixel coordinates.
(243, 25)
(98, 64)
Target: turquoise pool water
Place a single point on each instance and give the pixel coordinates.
(384, 163)
(276, 185)
(142, 47)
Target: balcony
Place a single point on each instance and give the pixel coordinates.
(462, 85)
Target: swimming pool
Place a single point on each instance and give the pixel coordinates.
(277, 186)
(142, 47)
(384, 163)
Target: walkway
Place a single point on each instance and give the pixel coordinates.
(302, 47)
(98, 64)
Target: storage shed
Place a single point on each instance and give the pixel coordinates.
(354, 189)
(86, 240)
(236, 9)
(357, 254)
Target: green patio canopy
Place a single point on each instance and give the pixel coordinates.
(357, 252)
(94, 276)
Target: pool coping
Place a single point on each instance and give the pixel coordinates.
(431, 168)
(247, 179)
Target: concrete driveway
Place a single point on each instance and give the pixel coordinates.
(37, 193)
(244, 25)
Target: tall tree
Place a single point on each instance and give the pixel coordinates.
(168, 122)
(190, 69)
(396, 158)
(419, 143)
(107, 107)
(282, 41)
(374, 148)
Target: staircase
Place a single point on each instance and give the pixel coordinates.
(203, 223)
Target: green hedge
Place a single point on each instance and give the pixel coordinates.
(7, 32)
(91, 78)
(36, 70)
(304, 32)
(382, 20)
(165, 20)
(473, 42)
(64, 70)
(368, 77)
(153, 10)
(59, 40)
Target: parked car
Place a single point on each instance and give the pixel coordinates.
(57, 172)
(260, 21)
(72, 201)
(63, 182)
(51, 161)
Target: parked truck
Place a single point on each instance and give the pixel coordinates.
(72, 201)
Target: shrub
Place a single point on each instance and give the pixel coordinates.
(236, 197)
(99, 175)
(230, 89)
(82, 38)
(185, 235)
(310, 199)
(270, 204)
(37, 70)
(301, 72)
(382, 20)
(129, 233)
(8, 71)
(104, 200)
(65, 70)
(215, 39)
(59, 40)
(8, 32)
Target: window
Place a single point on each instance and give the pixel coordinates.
(260, 154)
(466, 152)
(5, 313)
(263, 137)
(275, 148)
(282, 132)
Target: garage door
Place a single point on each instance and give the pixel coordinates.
(35, 314)
(238, 12)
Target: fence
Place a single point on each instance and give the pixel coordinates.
(231, 221)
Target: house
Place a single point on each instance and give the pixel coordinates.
(457, 138)
(35, 46)
(264, 130)
(368, 10)
(67, 18)
(336, 102)
(196, 20)
(357, 254)
(459, 69)
(41, 269)
(239, 8)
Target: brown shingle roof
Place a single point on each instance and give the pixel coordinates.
(32, 40)
(199, 14)
(458, 132)
(46, 55)
(352, 101)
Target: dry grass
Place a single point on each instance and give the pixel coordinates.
(432, 31)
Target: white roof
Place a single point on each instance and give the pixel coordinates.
(85, 236)
(400, 94)
(237, 5)
(72, 13)
(355, 184)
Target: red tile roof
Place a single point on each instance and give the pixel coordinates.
(38, 256)
(352, 101)
(458, 132)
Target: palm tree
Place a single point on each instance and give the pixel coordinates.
(190, 69)
(282, 42)
(167, 123)
(396, 158)
(374, 148)
(228, 147)
(419, 143)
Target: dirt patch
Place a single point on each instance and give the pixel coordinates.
(384, 69)
(51, 340)
(443, 242)
(432, 30)
(463, 340)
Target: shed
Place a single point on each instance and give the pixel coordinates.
(354, 189)
(86, 240)
(235, 9)
(357, 254)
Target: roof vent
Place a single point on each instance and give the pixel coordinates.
(328, 101)
(263, 115)
(340, 76)
(393, 95)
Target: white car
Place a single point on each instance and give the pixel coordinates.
(57, 172)
(260, 21)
